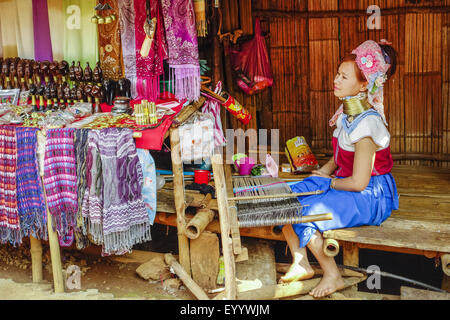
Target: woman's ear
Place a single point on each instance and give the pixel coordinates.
(363, 86)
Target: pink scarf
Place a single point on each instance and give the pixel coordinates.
(181, 34)
(150, 68)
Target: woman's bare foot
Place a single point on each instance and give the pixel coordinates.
(330, 283)
(297, 272)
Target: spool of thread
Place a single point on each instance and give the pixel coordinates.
(330, 247)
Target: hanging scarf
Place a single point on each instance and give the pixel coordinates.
(80, 34)
(125, 219)
(149, 185)
(9, 216)
(150, 68)
(30, 197)
(42, 40)
(110, 46)
(179, 21)
(56, 21)
(60, 179)
(212, 107)
(200, 17)
(92, 203)
(81, 149)
(126, 19)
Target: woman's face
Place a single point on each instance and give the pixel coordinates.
(346, 82)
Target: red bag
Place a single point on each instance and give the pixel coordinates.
(251, 64)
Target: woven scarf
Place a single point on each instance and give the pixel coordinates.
(81, 148)
(179, 22)
(30, 196)
(200, 17)
(9, 216)
(149, 185)
(42, 39)
(110, 46)
(92, 202)
(80, 34)
(125, 218)
(150, 68)
(126, 19)
(60, 179)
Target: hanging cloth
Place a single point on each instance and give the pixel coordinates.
(213, 107)
(9, 28)
(56, 21)
(149, 68)
(179, 22)
(149, 186)
(9, 216)
(25, 40)
(200, 17)
(80, 34)
(126, 19)
(30, 196)
(110, 45)
(60, 179)
(42, 40)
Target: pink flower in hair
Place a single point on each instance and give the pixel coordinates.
(368, 63)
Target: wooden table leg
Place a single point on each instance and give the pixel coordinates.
(351, 258)
(228, 257)
(178, 190)
(234, 224)
(36, 259)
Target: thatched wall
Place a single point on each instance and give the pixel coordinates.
(307, 38)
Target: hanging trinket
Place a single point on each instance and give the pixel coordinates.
(149, 29)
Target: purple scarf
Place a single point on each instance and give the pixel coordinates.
(181, 35)
(42, 41)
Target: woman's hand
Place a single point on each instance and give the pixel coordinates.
(318, 173)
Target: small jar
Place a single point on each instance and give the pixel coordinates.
(121, 105)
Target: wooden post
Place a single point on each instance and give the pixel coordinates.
(36, 259)
(221, 194)
(234, 223)
(178, 190)
(351, 257)
(55, 254)
(185, 277)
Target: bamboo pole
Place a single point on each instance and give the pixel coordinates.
(185, 277)
(221, 194)
(36, 259)
(178, 185)
(235, 234)
(198, 224)
(271, 196)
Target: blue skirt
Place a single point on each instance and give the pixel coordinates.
(350, 209)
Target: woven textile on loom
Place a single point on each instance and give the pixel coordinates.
(30, 197)
(113, 208)
(60, 179)
(9, 216)
(265, 212)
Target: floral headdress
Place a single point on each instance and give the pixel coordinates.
(374, 63)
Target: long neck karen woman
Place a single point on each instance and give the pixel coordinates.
(358, 186)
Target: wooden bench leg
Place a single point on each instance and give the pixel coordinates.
(36, 259)
(178, 190)
(350, 258)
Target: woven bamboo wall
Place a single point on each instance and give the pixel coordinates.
(307, 38)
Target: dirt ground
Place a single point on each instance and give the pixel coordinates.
(101, 278)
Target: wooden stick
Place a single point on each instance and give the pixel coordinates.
(36, 259)
(55, 254)
(177, 169)
(270, 196)
(235, 234)
(221, 194)
(185, 277)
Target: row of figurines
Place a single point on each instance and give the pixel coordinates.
(59, 95)
(19, 73)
